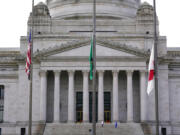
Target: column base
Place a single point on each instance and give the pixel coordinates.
(143, 121)
(56, 121)
(86, 121)
(42, 121)
(100, 121)
(71, 121)
(130, 121)
(115, 121)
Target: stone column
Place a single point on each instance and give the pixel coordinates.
(71, 109)
(143, 95)
(129, 96)
(56, 96)
(43, 95)
(100, 96)
(85, 97)
(115, 96)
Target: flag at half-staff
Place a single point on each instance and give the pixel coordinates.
(91, 60)
(28, 59)
(151, 72)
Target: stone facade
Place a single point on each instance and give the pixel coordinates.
(62, 34)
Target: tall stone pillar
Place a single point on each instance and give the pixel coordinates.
(143, 95)
(85, 97)
(43, 95)
(115, 96)
(100, 96)
(56, 96)
(129, 96)
(71, 108)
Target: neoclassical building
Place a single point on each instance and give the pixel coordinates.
(62, 90)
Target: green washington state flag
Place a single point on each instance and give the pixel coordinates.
(91, 60)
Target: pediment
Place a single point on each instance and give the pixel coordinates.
(100, 51)
(82, 49)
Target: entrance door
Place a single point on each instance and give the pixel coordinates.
(107, 106)
(79, 107)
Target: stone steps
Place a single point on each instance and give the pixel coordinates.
(146, 129)
(83, 129)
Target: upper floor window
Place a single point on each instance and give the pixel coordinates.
(1, 92)
(1, 102)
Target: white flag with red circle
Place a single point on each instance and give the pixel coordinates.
(151, 72)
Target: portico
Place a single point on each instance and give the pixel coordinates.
(121, 84)
(85, 89)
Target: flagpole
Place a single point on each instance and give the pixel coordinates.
(31, 73)
(156, 69)
(94, 70)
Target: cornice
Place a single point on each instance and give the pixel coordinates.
(66, 36)
(8, 55)
(9, 60)
(64, 47)
(123, 47)
(85, 58)
(173, 53)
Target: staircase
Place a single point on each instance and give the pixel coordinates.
(38, 128)
(84, 129)
(146, 129)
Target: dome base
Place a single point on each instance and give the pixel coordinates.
(104, 8)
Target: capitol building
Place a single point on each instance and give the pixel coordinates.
(62, 90)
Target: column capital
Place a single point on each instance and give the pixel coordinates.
(143, 71)
(100, 72)
(42, 72)
(71, 72)
(85, 71)
(115, 72)
(129, 71)
(57, 71)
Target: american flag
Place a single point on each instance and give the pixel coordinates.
(28, 59)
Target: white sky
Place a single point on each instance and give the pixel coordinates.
(14, 15)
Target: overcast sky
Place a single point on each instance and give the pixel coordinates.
(14, 15)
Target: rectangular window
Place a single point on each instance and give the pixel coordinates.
(163, 131)
(23, 131)
(1, 92)
(1, 102)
